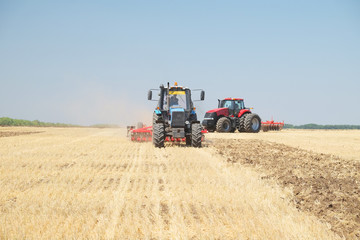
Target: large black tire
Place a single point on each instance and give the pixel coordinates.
(242, 123)
(252, 123)
(155, 118)
(196, 135)
(223, 125)
(158, 135)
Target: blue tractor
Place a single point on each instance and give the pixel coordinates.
(175, 116)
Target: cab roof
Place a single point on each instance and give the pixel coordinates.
(177, 87)
(233, 99)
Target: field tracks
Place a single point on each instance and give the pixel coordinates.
(118, 202)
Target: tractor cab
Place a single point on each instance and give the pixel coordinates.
(233, 104)
(177, 97)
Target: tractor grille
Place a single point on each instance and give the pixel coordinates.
(178, 119)
(210, 115)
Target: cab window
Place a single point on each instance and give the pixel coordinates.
(227, 104)
(237, 105)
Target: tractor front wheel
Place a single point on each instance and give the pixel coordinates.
(252, 123)
(158, 135)
(196, 135)
(155, 118)
(223, 125)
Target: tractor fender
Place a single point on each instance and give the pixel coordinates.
(243, 111)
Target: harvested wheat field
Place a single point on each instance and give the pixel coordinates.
(85, 183)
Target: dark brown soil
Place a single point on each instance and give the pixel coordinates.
(324, 185)
(11, 134)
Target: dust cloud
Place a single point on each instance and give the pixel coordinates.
(94, 103)
(97, 105)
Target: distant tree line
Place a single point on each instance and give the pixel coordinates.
(317, 126)
(8, 122)
(5, 121)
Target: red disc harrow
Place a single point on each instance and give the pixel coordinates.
(272, 126)
(145, 135)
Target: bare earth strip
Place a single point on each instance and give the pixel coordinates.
(95, 184)
(322, 184)
(342, 143)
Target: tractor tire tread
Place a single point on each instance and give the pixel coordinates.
(196, 135)
(242, 123)
(219, 125)
(248, 123)
(155, 118)
(159, 135)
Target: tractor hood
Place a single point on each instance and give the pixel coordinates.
(220, 111)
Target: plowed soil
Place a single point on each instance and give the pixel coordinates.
(322, 184)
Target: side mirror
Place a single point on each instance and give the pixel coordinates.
(202, 95)
(150, 95)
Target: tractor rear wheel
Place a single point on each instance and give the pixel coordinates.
(188, 140)
(223, 125)
(196, 135)
(242, 123)
(158, 135)
(252, 123)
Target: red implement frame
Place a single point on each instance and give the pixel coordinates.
(141, 134)
(145, 135)
(272, 126)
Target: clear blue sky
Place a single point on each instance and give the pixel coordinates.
(87, 62)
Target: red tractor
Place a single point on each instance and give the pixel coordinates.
(230, 115)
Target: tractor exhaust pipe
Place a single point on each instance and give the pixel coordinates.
(168, 97)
